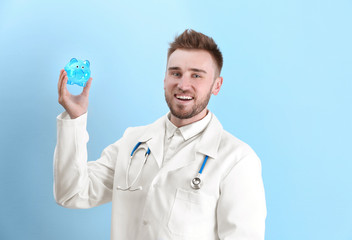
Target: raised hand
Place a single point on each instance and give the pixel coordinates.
(75, 105)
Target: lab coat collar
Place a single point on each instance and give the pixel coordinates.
(170, 128)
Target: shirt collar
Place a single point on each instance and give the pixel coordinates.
(189, 130)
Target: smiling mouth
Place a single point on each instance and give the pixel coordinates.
(183, 97)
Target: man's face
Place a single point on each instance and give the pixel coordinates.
(189, 82)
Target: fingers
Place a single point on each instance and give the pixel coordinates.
(60, 80)
(87, 87)
(62, 88)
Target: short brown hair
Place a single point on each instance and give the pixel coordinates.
(191, 39)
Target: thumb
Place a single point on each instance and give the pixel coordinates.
(87, 87)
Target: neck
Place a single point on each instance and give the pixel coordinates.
(178, 122)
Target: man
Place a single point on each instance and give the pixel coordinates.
(188, 178)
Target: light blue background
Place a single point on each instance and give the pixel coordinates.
(286, 92)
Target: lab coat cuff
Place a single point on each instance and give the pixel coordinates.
(64, 119)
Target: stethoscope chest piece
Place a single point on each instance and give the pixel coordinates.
(196, 182)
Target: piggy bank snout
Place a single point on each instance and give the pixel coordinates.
(79, 73)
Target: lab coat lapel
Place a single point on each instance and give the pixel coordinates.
(154, 138)
(210, 139)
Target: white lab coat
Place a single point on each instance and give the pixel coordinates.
(229, 205)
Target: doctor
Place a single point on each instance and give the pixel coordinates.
(181, 177)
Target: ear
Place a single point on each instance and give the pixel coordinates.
(73, 60)
(217, 85)
(86, 62)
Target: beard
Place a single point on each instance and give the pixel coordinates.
(180, 112)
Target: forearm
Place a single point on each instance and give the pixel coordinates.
(78, 184)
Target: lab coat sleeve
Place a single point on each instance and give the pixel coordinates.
(241, 209)
(78, 183)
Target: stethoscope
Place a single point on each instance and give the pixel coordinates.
(129, 187)
(195, 182)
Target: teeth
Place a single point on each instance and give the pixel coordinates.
(184, 97)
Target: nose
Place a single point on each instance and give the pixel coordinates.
(184, 83)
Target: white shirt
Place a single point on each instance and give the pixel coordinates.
(177, 138)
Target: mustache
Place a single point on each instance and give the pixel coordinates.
(181, 91)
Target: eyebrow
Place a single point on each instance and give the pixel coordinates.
(191, 69)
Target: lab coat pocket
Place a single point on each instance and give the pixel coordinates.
(192, 214)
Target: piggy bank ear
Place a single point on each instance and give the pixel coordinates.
(86, 62)
(73, 60)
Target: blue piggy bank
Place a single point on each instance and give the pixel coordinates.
(78, 72)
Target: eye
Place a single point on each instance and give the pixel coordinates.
(82, 66)
(76, 66)
(196, 76)
(176, 74)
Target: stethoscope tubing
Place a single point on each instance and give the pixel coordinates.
(204, 162)
(129, 187)
(195, 183)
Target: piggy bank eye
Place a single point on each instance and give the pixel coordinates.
(82, 66)
(76, 66)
